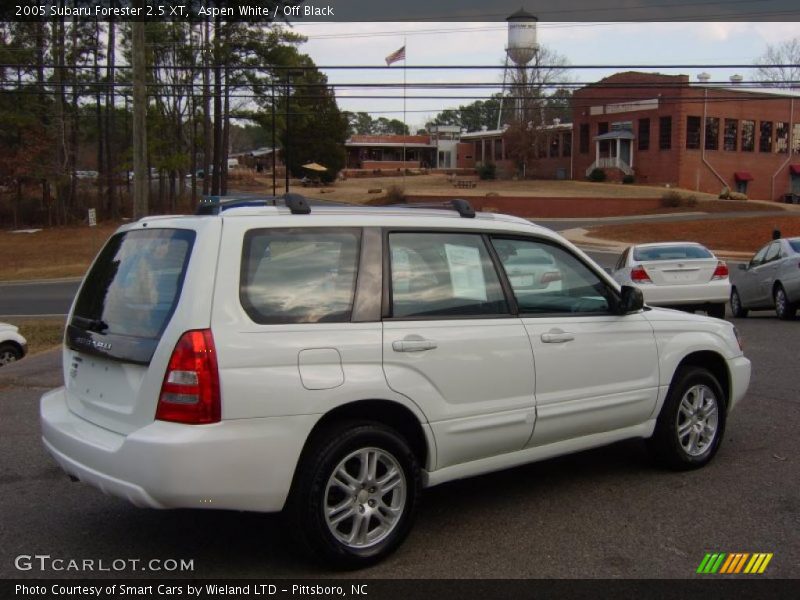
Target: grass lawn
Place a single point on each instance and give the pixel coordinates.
(51, 253)
(42, 334)
(744, 234)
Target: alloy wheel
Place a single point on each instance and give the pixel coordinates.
(698, 420)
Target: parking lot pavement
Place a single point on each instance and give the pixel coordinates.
(605, 513)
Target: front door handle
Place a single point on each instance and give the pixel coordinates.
(413, 345)
(556, 336)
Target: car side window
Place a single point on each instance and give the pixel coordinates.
(759, 257)
(443, 275)
(547, 279)
(773, 252)
(299, 276)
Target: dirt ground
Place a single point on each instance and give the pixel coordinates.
(746, 234)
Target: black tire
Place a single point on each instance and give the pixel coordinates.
(783, 308)
(717, 311)
(737, 310)
(667, 445)
(9, 353)
(313, 490)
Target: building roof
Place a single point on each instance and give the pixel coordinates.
(350, 144)
(619, 134)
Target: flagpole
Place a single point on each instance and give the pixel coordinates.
(405, 63)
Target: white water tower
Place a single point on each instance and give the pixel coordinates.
(522, 45)
(521, 49)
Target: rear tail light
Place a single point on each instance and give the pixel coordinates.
(639, 275)
(190, 392)
(721, 272)
(549, 277)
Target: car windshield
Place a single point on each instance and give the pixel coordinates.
(687, 252)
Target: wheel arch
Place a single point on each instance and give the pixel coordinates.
(715, 363)
(14, 344)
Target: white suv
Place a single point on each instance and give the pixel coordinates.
(334, 362)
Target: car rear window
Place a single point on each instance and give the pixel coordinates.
(299, 276)
(671, 253)
(795, 244)
(135, 283)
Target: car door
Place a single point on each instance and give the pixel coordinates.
(451, 344)
(596, 371)
(747, 280)
(765, 275)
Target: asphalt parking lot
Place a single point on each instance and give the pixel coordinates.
(605, 513)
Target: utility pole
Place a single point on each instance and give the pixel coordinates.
(140, 187)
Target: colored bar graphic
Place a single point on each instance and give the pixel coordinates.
(723, 563)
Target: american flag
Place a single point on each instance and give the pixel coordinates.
(396, 56)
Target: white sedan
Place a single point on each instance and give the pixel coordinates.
(12, 345)
(683, 275)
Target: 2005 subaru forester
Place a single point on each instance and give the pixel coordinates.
(334, 362)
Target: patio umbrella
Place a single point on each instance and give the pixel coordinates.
(315, 167)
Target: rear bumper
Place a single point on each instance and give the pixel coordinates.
(739, 369)
(715, 292)
(244, 464)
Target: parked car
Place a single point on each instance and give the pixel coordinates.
(683, 275)
(770, 280)
(12, 345)
(334, 363)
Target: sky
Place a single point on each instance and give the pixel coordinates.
(484, 44)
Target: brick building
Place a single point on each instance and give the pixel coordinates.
(665, 130)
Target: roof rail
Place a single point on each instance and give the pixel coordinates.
(213, 205)
(461, 206)
(297, 204)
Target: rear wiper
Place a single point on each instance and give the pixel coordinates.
(97, 325)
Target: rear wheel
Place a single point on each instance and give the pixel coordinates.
(717, 311)
(692, 421)
(355, 494)
(737, 310)
(9, 353)
(783, 308)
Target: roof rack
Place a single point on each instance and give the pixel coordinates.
(214, 205)
(461, 206)
(298, 204)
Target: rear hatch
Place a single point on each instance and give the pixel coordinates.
(125, 320)
(677, 265)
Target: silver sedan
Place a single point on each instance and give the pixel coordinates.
(770, 280)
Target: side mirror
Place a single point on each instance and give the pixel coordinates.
(631, 300)
(743, 266)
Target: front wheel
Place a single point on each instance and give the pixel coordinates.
(783, 308)
(692, 421)
(9, 353)
(355, 494)
(737, 310)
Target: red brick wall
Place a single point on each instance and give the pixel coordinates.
(553, 207)
(389, 165)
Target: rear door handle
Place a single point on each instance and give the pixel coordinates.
(413, 345)
(557, 337)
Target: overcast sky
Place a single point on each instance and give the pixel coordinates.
(484, 43)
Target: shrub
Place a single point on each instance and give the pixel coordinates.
(597, 175)
(676, 199)
(487, 171)
(395, 195)
(628, 179)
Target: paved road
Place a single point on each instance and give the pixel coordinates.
(37, 298)
(605, 513)
(562, 224)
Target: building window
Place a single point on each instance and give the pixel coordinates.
(554, 146)
(748, 136)
(712, 133)
(584, 138)
(498, 149)
(644, 134)
(731, 135)
(665, 133)
(541, 146)
(605, 145)
(796, 139)
(566, 145)
(602, 128)
(781, 138)
(693, 133)
(765, 137)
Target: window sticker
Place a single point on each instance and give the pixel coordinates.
(466, 272)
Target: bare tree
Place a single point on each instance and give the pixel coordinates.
(786, 53)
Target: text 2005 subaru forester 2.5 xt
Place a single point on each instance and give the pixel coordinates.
(333, 363)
